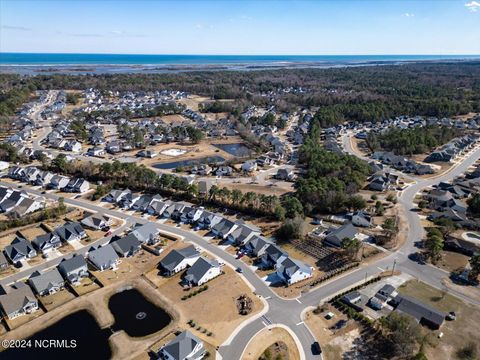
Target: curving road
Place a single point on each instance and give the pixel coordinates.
(288, 312)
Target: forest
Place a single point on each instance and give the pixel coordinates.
(368, 93)
(411, 141)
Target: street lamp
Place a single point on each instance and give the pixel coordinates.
(394, 263)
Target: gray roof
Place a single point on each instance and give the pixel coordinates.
(18, 246)
(104, 256)
(41, 240)
(17, 299)
(127, 244)
(175, 257)
(336, 236)
(3, 259)
(180, 347)
(69, 230)
(289, 267)
(419, 310)
(72, 264)
(199, 269)
(95, 220)
(42, 282)
(144, 232)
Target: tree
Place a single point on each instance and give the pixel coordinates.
(290, 229)
(475, 266)
(403, 332)
(474, 204)
(379, 209)
(280, 213)
(434, 245)
(351, 247)
(356, 202)
(293, 207)
(60, 163)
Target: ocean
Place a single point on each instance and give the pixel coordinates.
(34, 63)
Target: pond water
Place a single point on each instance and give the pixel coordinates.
(192, 162)
(91, 341)
(136, 315)
(238, 149)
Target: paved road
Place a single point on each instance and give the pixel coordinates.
(289, 312)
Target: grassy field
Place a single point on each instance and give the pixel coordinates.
(456, 334)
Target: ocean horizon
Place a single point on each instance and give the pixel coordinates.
(38, 59)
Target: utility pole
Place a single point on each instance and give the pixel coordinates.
(394, 263)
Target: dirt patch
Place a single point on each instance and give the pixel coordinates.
(268, 337)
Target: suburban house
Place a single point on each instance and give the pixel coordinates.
(19, 301)
(104, 258)
(256, 246)
(71, 231)
(177, 260)
(270, 256)
(114, 196)
(243, 233)
(292, 270)
(127, 246)
(158, 207)
(185, 346)
(208, 219)
(58, 182)
(47, 283)
(249, 166)
(47, 242)
(224, 228)
(77, 186)
(334, 237)
(361, 218)
(202, 271)
(423, 313)
(27, 206)
(192, 215)
(74, 269)
(96, 221)
(20, 249)
(146, 233)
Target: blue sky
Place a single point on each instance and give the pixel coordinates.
(241, 27)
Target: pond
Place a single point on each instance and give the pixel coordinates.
(136, 315)
(90, 341)
(238, 149)
(187, 163)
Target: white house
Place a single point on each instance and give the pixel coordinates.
(292, 270)
(177, 260)
(202, 270)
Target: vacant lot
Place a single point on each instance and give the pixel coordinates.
(214, 309)
(456, 333)
(267, 337)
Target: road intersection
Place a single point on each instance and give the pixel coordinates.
(281, 311)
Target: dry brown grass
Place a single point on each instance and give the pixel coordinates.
(265, 338)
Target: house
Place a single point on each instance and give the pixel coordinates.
(95, 151)
(243, 233)
(185, 346)
(147, 233)
(224, 228)
(249, 166)
(361, 218)
(58, 182)
(208, 220)
(292, 270)
(224, 171)
(19, 301)
(74, 269)
(73, 146)
(201, 271)
(20, 249)
(70, 231)
(128, 200)
(96, 221)
(47, 242)
(337, 235)
(47, 283)
(127, 246)
(27, 206)
(256, 246)
(104, 258)
(158, 207)
(77, 186)
(147, 154)
(3, 262)
(204, 187)
(15, 198)
(44, 178)
(353, 297)
(285, 175)
(192, 216)
(114, 196)
(270, 256)
(423, 313)
(177, 260)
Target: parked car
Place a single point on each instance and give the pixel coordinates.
(316, 349)
(239, 270)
